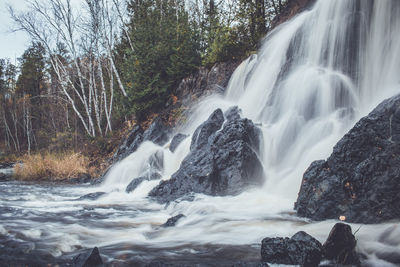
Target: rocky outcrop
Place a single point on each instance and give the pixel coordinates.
(205, 82)
(223, 160)
(340, 246)
(158, 133)
(292, 8)
(301, 249)
(176, 141)
(360, 181)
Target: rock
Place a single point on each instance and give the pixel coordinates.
(176, 141)
(91, 196)
(292, 8)
(157, 132)
(130, 144)
(88, 259)
(137, 181)
(206, 129)
(360, 181)
(302, 249)
(205, 82)
(221, 161)
(173, 220)
(340, 246)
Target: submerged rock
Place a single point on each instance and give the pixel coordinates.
(340, 246)
(301, 249)
(137, 181)
(173, 220)
(360, 181)
(91, 196)
(89, 259)
(222, 161)
(176, 141)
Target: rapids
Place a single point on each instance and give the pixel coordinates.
(313, 78)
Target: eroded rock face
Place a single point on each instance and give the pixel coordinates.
(223, 160)
(301, 249)
(361, 178)
(176, 141)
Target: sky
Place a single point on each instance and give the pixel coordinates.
(12, 44)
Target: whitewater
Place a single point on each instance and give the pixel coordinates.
(314, 77)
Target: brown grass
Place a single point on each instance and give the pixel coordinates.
(52, 166)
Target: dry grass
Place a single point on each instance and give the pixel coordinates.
(52, 166)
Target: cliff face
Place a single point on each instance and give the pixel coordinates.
(292, 8)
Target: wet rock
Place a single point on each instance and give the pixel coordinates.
(89, 259)
(361, 179)
(340, 246)
(301, 249)
(176, 141)
(173, 220)
(206, 129)
(137, 181)
(222, 161)
(91, 196)
(130, 144)
(157, 132)
(205, 82)
(292, 8)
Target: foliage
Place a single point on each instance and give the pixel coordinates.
(52, 166)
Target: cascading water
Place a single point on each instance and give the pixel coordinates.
(314, 77)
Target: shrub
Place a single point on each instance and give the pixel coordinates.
(52, 166)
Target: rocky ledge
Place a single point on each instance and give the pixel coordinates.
(360, 181)
(223, 160)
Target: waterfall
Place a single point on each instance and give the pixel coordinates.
(313, 78)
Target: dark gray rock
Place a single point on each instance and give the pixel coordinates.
(88, 259)
(361, 178)
(206, 129)
(176, 141)
(158, 132)
(130, 144)
(302, 249)
(340, 246)
(221, 161)
(173, 220)
(91, 196)
(137, 181)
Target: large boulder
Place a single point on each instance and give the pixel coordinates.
(223, 160)
(360, 181)
(301, 249)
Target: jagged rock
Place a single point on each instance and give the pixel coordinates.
(205, 82)
(302, 249)
(157, 132)
(221, 161)
(176, 141)
(89, 259)
(340, 246)
(130, 144)
(361, 179)
(173, 220)
(206, 129)
(91, 196)
(137, 181)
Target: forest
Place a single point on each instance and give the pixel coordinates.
(93, 68)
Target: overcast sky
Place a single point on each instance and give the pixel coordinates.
(12, 44)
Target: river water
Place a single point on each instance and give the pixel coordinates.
(314, 77)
